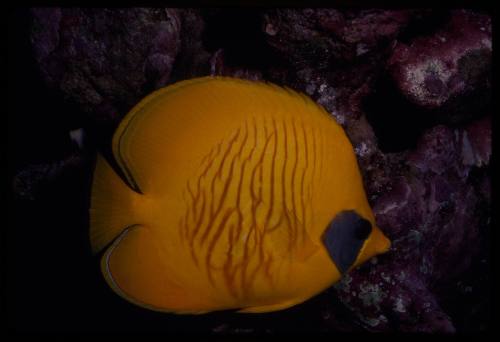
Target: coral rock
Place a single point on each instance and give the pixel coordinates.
(193, 60)
(452, 62)
(105, 60)
(324, 35)
(218, 67)
(432, 213)
(476, 143)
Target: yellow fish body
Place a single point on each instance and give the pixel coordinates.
(240, 195)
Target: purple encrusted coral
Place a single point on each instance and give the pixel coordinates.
(432, 70)
(105, 60)
(431, 214)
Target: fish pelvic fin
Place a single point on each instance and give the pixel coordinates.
(112, 207)
(271, 307)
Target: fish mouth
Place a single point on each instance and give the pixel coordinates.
(382, 244)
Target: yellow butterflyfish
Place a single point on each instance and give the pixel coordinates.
(236, 195)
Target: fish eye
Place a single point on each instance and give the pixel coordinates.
(362, 229)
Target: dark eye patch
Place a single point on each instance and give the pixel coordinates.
(362, 229)
(344, 238)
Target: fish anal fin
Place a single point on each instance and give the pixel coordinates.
(135, 268)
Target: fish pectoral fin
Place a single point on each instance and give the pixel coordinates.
(271, 307)
(306, 250)
(135, 268)
(283, 245)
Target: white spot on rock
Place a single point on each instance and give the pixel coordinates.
(385, 277)
(467, 151)
(486, 42)
(338, 117)
(271, 30)
(344, 283)
(361, 49)
(310, 88)
(77, 136)
(415, 77)
(371, 294)
(374, 321)
(399, 306)
(362, 150)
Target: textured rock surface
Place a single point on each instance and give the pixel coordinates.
(410, 87)
(218, 67)
(193, 58)
(452, 62)
(330, 35)
(106, 60)
(433, 214)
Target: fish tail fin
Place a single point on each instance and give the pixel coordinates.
(112, 206)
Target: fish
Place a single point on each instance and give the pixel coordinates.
(229, 194)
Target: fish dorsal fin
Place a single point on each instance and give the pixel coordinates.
(136, 269)
(167, 127)
(120, 138)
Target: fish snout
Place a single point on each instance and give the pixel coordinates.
(381, 243)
